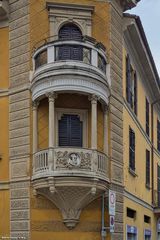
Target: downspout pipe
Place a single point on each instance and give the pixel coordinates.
(103, 229)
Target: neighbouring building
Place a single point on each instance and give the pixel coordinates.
(80, 122)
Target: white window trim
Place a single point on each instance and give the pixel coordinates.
(60, 14)
(127, 233)
(83, 114)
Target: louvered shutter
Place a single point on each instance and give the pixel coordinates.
(64, 53)
(70, 131)
(147, 167)
(63, 125)
(75, 131)
(76, 53)
(131, 149)
(70, 52)
(70, 32)
(128, 80)
(135, 93)
(147, 117)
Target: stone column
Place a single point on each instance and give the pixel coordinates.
(105, 129)
(35, 126)
(51, 100)
(51, 143)
(93, 100)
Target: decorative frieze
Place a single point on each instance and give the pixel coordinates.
(73, 160)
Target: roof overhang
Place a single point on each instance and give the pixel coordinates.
(128, 4)
(134, 34)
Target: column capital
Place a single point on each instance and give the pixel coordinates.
(35, 105)
(105, 108)
(51, 96)
(93, 98)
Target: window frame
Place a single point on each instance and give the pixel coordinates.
(131, 85)
(131, 149)
(148, 168)
(83, 114)
(131, 230)
(147, 117)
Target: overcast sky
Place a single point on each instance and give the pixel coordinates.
(149, 12)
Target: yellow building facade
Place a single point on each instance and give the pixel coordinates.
(80, 130)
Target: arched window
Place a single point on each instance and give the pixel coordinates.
(70, 32)
(67, 51)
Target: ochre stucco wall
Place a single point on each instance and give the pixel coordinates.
(4, 59)
(136, 184)
(4, 122)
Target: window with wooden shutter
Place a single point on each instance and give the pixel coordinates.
(147, 167)
(70, 32)
(147, 117)
(128, 79)
(131, 85)
(158, 135)
(70, 131)
(70, 52)
(135, 93)
(131, 149)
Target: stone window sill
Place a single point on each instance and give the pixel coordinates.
(132, 172)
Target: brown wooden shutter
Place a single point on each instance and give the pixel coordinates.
(128, 80)
(135, 93)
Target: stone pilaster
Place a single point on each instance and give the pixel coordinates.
(19, 119)
(116, 114)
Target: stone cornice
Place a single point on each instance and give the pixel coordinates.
(128, 4)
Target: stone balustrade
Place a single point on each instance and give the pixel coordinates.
(69, 162)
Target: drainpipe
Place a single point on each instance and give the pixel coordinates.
(152, 147)
(103, 230)
(152, 151)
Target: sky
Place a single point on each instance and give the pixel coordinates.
(149, 12)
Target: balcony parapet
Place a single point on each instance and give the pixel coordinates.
(71, 178)
(77, 161)
(4, 9)
(156, 202)
(71, 65)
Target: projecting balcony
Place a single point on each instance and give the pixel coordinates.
(71, 178)
(157, 202)
(3, 10)
(71, 65)
(69, 161)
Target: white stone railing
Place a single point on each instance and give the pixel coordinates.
(41, 161)
(75, 161)
(90, 53)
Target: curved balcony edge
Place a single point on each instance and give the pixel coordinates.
(67, 73)
(63, 162)
(66, 80)
(71, 178)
